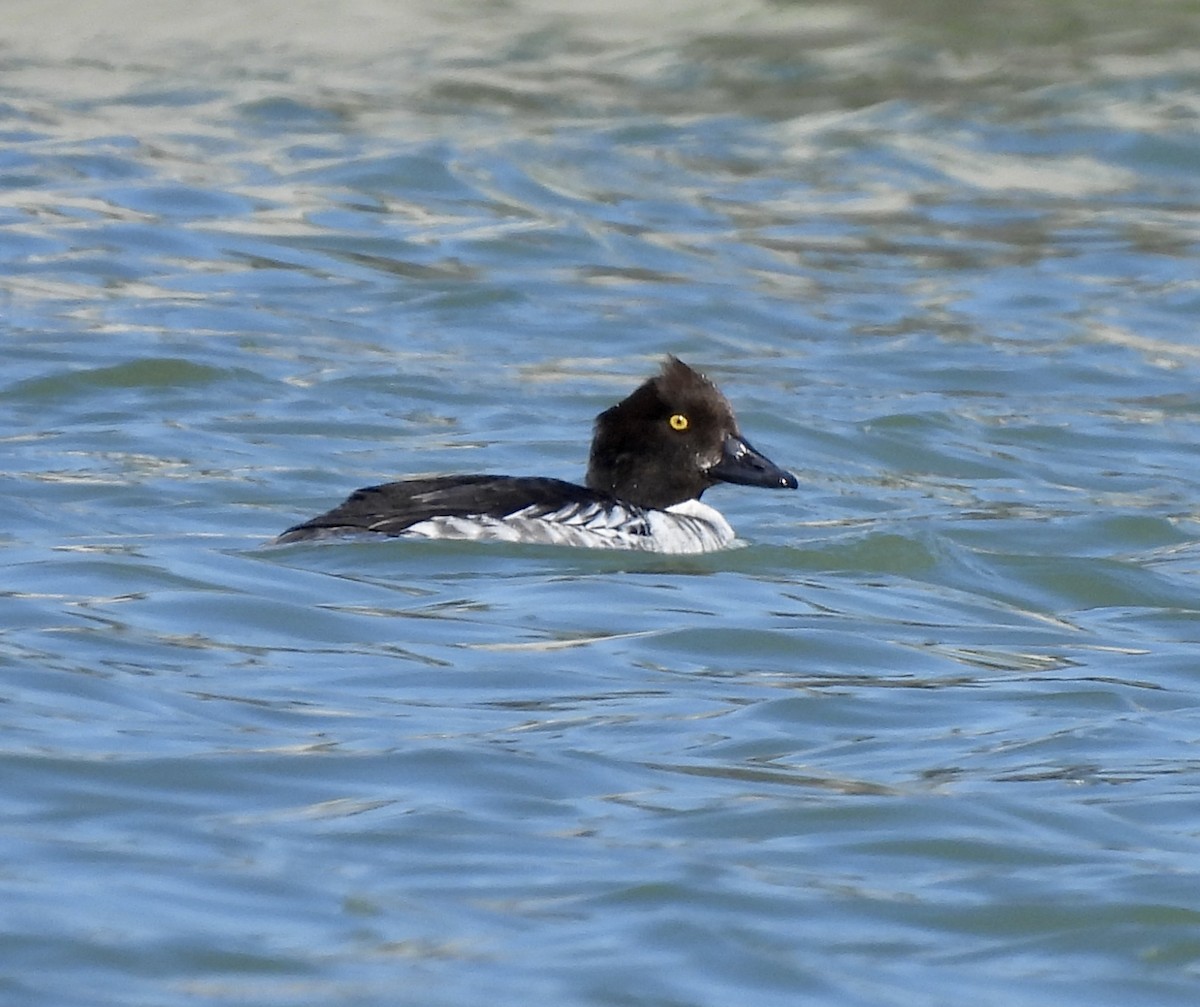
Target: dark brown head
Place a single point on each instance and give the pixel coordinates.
(671, 439)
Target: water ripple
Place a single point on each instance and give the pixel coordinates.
(929, 734)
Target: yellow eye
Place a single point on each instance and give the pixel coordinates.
(678, 422)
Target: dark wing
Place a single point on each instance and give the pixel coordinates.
(393, 507)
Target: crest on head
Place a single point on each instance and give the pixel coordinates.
(655, 446)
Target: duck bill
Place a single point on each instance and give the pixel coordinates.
(742, 464)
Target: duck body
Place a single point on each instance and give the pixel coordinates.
(653, 455)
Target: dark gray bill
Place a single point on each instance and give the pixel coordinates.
(741, 464)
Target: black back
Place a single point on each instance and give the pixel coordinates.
(391, 508)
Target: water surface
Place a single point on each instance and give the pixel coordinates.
(928, 736)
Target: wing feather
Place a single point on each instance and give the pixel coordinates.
(392, 508)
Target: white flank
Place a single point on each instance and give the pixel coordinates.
(689, 527)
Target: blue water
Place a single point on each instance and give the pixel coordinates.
(930, 736)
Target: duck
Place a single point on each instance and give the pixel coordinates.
(652, 457)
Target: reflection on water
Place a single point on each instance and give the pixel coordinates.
(927, 735)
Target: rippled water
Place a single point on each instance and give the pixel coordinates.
(930, 735)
